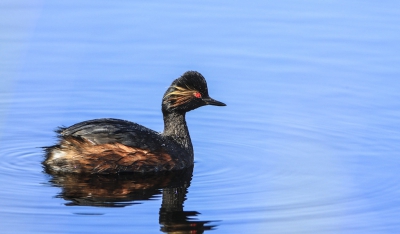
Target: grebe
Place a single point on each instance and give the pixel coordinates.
(110, 146)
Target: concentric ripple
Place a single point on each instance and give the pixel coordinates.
(274, 185)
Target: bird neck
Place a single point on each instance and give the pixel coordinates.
(176, 128)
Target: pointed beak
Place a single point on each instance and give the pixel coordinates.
(210, 101)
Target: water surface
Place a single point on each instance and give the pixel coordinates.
(308, 141)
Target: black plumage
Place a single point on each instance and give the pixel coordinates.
(114, 145)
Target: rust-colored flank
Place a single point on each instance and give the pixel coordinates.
(82, 156)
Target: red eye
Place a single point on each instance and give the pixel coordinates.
(197, 94)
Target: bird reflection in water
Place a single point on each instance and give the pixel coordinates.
(129, 189)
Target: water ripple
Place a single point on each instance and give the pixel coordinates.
(270, 190)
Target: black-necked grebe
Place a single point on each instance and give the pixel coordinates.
(113, 146)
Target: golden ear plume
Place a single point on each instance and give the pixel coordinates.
(180, 95)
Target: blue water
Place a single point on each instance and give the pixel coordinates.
(308, 141)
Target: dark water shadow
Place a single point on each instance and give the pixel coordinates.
(130, 189)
